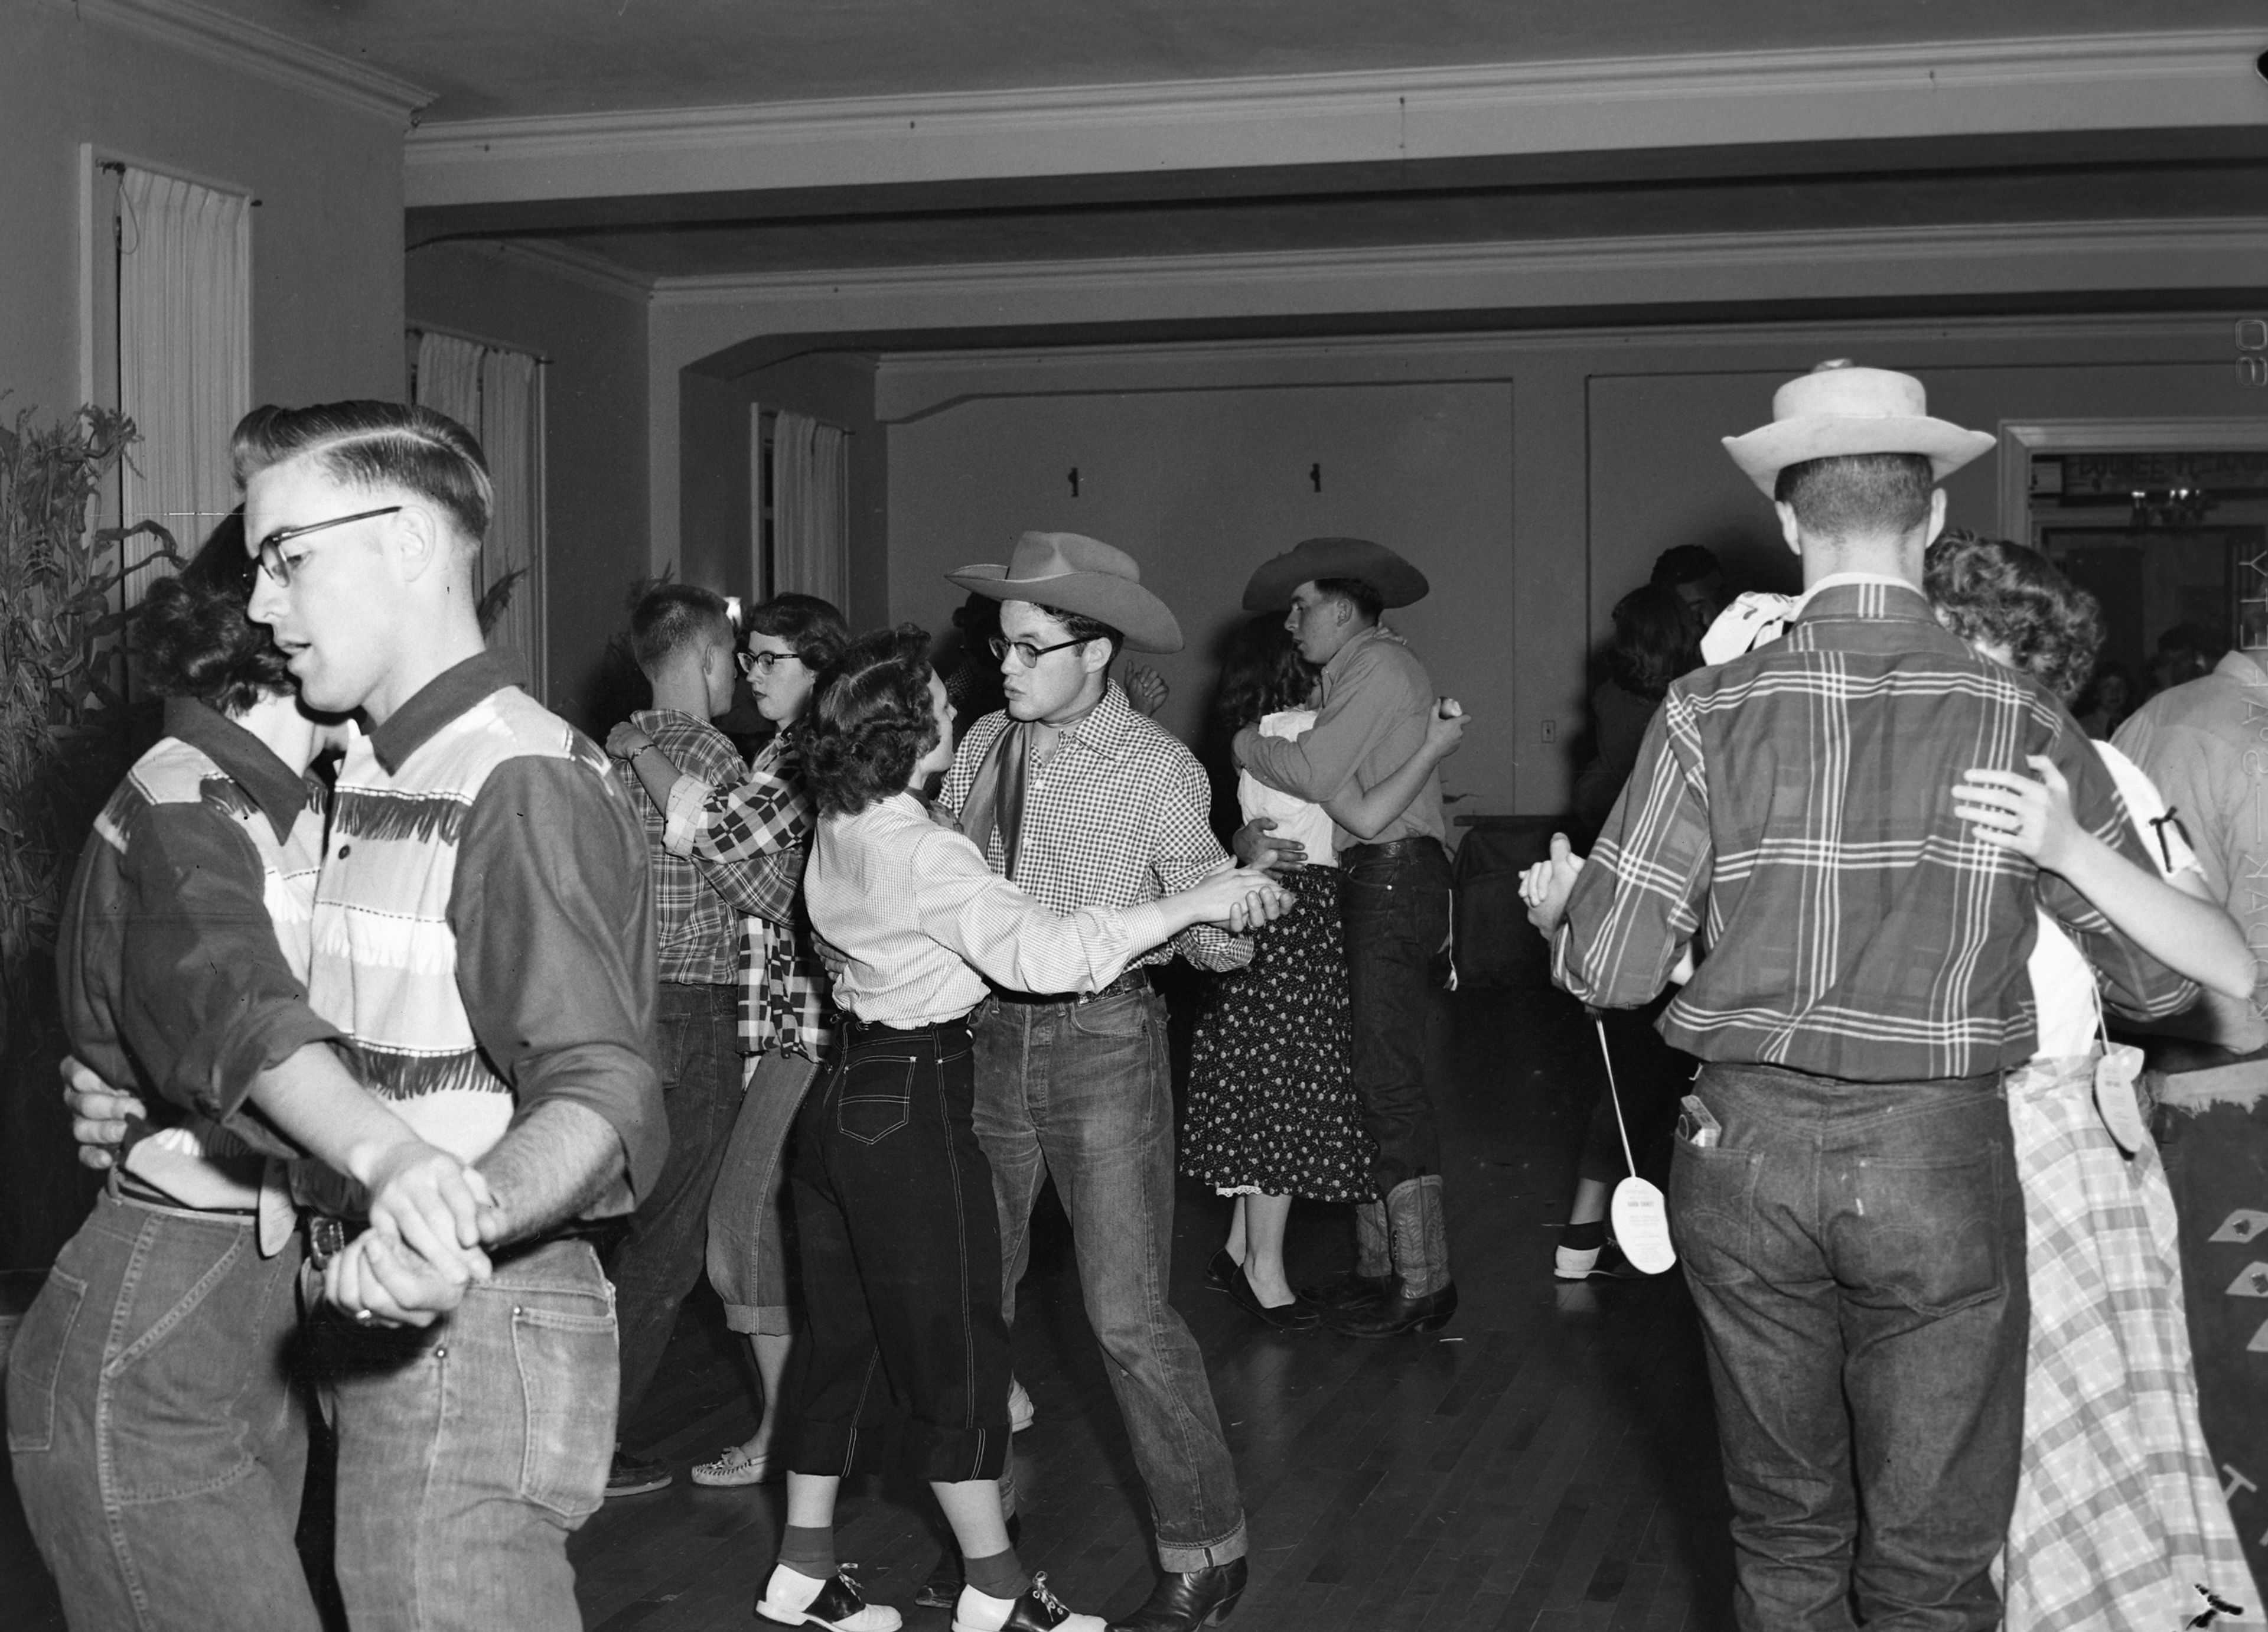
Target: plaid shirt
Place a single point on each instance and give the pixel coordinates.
(696, 928)
(1793, 810)
(1119, 815)
(760, 827)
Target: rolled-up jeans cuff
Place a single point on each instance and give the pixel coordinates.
(1179, 1560)
(760, 1320)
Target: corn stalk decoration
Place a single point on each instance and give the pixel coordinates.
(62, 652)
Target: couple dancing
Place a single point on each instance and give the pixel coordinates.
(1928, 1238)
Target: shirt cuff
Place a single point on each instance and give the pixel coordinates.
(688, 801)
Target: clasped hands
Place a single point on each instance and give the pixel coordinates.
(430, 1215)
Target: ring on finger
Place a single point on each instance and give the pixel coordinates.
(364, 1317)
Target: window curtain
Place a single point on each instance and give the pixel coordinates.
(497, 394)
(184, 355)
(811, 508)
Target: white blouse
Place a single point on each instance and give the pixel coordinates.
(1295, 818)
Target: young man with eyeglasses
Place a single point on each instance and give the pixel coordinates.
(1086, 803)
(749, 836)
(483, 936)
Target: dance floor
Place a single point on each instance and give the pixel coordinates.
(1548, 1461)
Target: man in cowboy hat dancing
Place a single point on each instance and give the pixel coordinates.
(1376, 699)
(1844, 1193)
(1084, 803)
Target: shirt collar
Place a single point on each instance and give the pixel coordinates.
(2246, 668)
(438, 701)
(1864, 595)
(1345, 654)
(1108, 727)
(280, 792)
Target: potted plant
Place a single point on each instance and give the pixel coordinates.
(67, 734)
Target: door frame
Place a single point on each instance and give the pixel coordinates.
(2020, 439)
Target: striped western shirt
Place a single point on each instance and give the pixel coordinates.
(1792, 813)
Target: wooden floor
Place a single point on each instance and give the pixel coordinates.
(1548, 1461)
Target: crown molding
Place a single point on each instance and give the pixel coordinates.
(580, 266)
(2163, 79)
(253, 49)
(1304, 280)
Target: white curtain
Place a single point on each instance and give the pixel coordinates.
(497, 394)
(811, 508)
(184, 355)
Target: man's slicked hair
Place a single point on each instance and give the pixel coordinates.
(672, 616)
(1857, 495)
(374, 445)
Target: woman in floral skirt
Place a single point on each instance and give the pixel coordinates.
(1272, 1112)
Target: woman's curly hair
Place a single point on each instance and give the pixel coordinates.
(1653, 643)
(2008, 595)
(194, 638)
(1262, 674)
(871, 721)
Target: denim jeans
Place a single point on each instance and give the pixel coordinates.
(747, 1219)
(469, 1451)
(1396, 911)
(1084, 1092)
(1856, 1252)
(901, 1246)
(659, 1259)
(160, 1445)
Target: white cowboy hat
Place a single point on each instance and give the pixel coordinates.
(1837, 408)
(1073, 573)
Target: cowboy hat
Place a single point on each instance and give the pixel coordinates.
(1072, 573)
(1312, 559)
(1837, 409)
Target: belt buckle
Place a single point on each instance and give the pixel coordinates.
(326, 1238)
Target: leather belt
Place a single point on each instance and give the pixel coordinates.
(1393, 849)
(1132, 981)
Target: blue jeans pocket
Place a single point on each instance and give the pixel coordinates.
(1928, 1231)
(1125, 1016)
(37, 1359)
(568, 1376)
(1713, 1211)
(876, 1098)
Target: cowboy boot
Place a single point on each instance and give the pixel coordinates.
(1371, 1277)
(1422, 1298)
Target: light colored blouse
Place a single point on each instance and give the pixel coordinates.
(1295, 818)
(2063, 984)
(913, 921)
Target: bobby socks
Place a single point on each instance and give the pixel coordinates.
(997, 1576)
(809, 1550)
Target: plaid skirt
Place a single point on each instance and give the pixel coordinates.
(2120, 1521)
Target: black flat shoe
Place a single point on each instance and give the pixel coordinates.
(1394, 1314)
(1299, 1315)
(1221, 1270)
(1182, 1603)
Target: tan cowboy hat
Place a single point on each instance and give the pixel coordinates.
(1072, 573)
(1837, 408)
(1270, 589)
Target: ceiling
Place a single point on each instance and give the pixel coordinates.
(552, 59)
(499, 58)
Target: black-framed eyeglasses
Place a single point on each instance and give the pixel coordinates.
(280, 567)
(1026, 653)
(756, 663)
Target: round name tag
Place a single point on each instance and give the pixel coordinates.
(2114, 1097)
(1641, 1217)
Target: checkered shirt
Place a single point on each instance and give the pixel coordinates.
(1117, 815)
(696, 929)
(1792, 811)
(763, 825)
